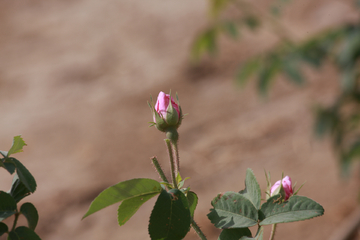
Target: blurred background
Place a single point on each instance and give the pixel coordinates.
(75, 77)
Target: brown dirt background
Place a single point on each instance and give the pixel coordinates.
(74, 80)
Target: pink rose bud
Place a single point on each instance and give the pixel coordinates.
(167, 113)
(287, 187)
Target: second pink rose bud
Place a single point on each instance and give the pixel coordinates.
(287, 186)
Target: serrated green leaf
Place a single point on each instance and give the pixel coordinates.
(192, 201)
(130, 206)
(22, 233)
(31, 214)
(170, 218)
(252, 189)
(296, 208)
(258, 236)
(232, 210)
(24, 175)
(3, 228)
(18, 190)
(7, 205)
(123, 191)
(17, 146)
(234, 234)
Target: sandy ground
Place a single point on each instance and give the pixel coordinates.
(74, 80)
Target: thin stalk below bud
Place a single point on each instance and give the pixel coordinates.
(159, 169)
(197, 229)
(177, 158)
(172, 163)
(272, 234)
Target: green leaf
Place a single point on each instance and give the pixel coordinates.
(3, 228)
(122, 191)
(205, 42)
(31, 214)
(234, 234)
(24, 175)
(232, 210)
(9, 166)
(267, 74)
(17, 146)
(18, 190)
(130, 206)
(178, 178)
(22, 233)
(297, 208)
(170, 218)
(252, 189)
(246, 70)
(192, 201)
(216, 6)
(258, 236)
(181, 183)
(7, 205)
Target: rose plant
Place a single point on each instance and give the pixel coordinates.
(23, 184)
(173, 213)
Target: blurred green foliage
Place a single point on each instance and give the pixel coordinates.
(339, 46)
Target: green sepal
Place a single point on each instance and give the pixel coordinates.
(130, 206)
(161, 125)
(172, 116)
(3, 228)
(170, 218)
(7, 205)
(31, 214)
(252, 189)
(296, 208)
(268, 185)
(233, 210)
(123, 191)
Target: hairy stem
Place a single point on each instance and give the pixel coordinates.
(272, 234)
(172, 163)
(197, 229)
(159, 169)
(177, 158)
